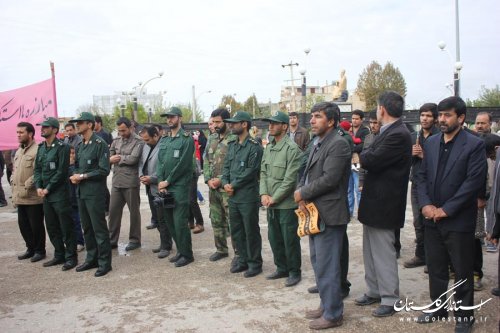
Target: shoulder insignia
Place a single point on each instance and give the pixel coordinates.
(341, 133)
(185, 134)
(252, 140)
(98, 140)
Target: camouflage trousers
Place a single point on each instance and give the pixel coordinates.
(219, 216)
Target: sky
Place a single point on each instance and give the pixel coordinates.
(237, 47)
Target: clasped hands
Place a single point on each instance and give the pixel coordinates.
(431, 212)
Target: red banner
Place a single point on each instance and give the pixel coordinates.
(31, 104)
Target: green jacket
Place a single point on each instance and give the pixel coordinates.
(241, 170)
(278, 172)
(216, 152)
(93, 160)
(175, 164)
(51, 170)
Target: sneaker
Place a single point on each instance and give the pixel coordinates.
(80, 247)
(478, 284)
(491, 248)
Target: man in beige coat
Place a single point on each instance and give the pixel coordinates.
(24, 196)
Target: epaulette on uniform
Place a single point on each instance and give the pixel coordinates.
(99, 141)
(341, 132)
(252, 140)
(185, 134)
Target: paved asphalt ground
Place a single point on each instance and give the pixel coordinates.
(147, 294)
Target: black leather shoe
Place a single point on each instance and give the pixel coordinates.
(37, 257)
(69, 265)
(366, 300)
(163, 254)
(292, 281)
(252, 272)
(464, 327)
(53, 262)
(218, 256)
(384, 311)
(132, 246)
(114, 246)
(495, 292)
(25, 255)
(313, 290)
(345, 293)
(175, 258)
(156, 250)
(427, 318)
(183, 261)
(238, 268)
(86, 266)
(277, 275)
(102, 271)
(235, 261)
(152, 226)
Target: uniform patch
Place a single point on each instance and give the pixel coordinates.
(52, 165)
(176, 153)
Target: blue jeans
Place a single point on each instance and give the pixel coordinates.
(353, 189)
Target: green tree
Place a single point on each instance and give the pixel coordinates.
(142, 115)
(487, 97)
(312, 99)
(251, 106)
(374, 79)
(230, 100)
(108, 120)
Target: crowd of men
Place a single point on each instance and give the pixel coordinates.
(454, 184)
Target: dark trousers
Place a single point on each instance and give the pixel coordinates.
(284, 241)
(165, 236)
(245, 230)
(397, 240)
(175, 219)
(344, 264)
(2, 193)
(95, 231)
(152, 207)
(75, 215)
(325, 250)
(30, 220)
(107, 198)
(60, 228)
(418, 223)
(478, 258)
(194, 211)
(441, 247)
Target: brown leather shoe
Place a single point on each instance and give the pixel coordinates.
(321, 323)
(314, 314)
(414, 262)
(198, 229)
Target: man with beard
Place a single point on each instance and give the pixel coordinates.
(483, 123)
(51, 180)
(452, 174)
(278, 179)
(212, 171)
(90, 174)
(175, 172)
(428, 116)
(147, 176)
(240, 181)
(325, 183)
(24, 196)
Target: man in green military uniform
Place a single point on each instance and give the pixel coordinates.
(51, 181)
(175, 172)
(90, 174)
(216, 151)
(278, 179)
(240, 181)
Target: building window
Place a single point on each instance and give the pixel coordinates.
(313, 90)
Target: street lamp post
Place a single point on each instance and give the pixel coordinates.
(121, 106)
(457, 68)
(195, 103)
(150, 113)
(304, 86)
(141, 87)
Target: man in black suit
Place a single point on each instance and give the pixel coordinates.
(383, 203)
(324, 182)
(452, 174)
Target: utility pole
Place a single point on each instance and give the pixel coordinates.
(193, 111)
(291, 64)
(253, 105)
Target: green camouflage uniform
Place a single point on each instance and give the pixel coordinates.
(219, 207)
